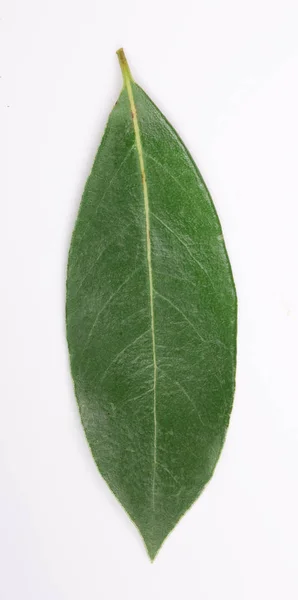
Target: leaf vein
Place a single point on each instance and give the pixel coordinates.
(100, 311)
(100, 254)
(183, 244)
(182, 314)
(122, 352)
(105, 193)
(183, 390)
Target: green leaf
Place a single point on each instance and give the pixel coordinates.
(151, 318)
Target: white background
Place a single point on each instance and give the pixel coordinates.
(225, 73)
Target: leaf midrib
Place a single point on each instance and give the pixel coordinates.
(139, 147)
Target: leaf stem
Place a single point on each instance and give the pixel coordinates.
(124, 66)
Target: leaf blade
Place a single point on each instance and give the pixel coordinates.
(156, 388)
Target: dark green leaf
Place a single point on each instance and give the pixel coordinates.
(151, 318)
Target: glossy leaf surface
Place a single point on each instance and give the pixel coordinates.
(151, 318)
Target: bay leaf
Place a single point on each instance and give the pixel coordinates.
(151, 318)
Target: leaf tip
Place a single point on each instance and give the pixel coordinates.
(152, 547)
(124, 66)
